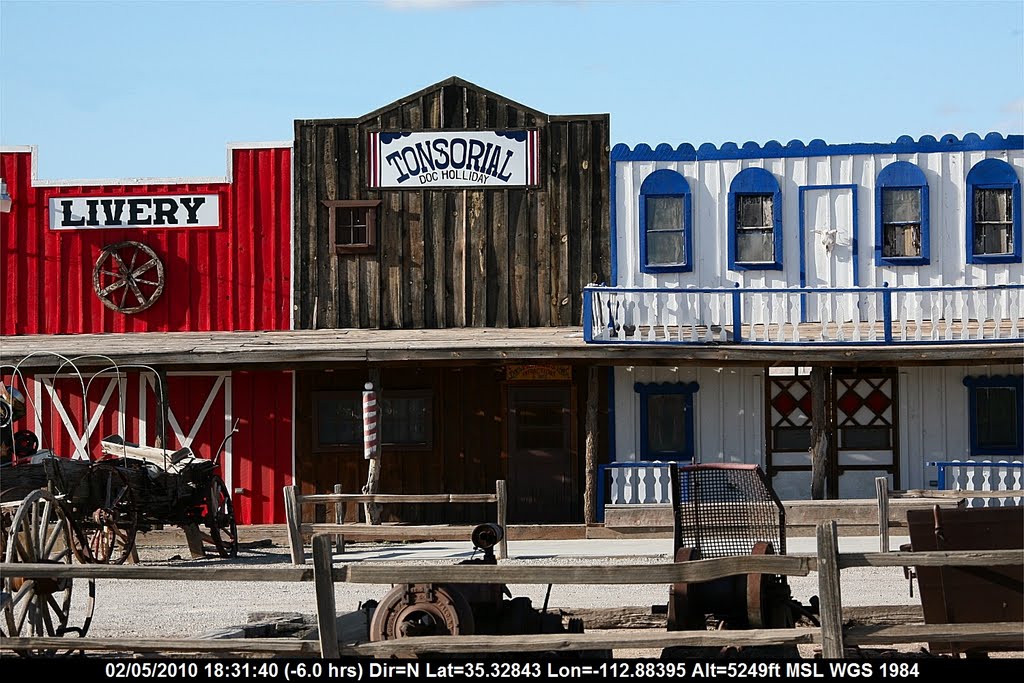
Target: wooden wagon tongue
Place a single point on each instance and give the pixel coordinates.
(169, 461)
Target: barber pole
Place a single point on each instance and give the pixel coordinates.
(369, 422)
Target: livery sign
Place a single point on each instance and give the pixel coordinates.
(477, 158)
(134, 211)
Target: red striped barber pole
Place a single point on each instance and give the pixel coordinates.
(370, 440)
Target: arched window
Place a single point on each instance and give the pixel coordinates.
(755, 221)
(901, 216)
(993, 213)
(665, 230)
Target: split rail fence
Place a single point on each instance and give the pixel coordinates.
(828, 562)
(341, 530)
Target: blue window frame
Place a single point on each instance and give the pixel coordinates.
(755, 221)
(993, 213)
(666, 420)
(902, 235)
(996, 415)
(666, 233)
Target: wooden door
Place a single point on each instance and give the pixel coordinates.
(541, 485)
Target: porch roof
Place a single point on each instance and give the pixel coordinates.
(457, 346)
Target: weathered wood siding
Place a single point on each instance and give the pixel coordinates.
(709, 181)
(468, 449)
(453, 257)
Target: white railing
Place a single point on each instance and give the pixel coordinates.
(635, 483)
(982, 475)
(804, 315)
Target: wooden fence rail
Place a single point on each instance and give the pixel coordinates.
(828, 563)
(293, 502)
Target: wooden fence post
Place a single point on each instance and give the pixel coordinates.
(502, 494)
(882, 493)
(831, 603)
(293, 519)
(326, 611)
(339, 518)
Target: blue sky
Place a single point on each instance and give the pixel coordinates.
(157, 89)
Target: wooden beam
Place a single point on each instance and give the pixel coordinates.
(882, 494)
(819, 432)
(290, 646)
(113, 571)
(321, 498)
(934, 558)
(501, 496)
(590, 501)
(293, 520)
(829, 594)
(326, 612)
(1011, 632)
(339, 518)
(393, 532)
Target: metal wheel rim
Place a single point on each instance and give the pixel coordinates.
(39, 533)
(124, 282)
(220, 519)
(109, 530)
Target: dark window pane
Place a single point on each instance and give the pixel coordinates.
(350, 226)
(997, 418)
(993, 206)
(664, 213)
(540, 425)
(664, 248)
(754, 210)
(405, 420)
(866, 438)
(902, 240)
(666, 423)
(793, 439)
(755, 245)
(339, 422)
(901, 206)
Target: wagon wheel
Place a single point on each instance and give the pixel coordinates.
(36, 606)
(108, 530)
(128, 277)
(220, 519)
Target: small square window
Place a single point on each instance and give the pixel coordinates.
(666, 420)
(996, 415)
(406, 419)
(993, 221)
(353, 225)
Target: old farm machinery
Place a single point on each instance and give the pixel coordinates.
(725, 510)
(58, 510)
(411, 610)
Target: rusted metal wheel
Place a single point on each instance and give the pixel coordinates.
(683, 613)
(109, 530)
(421, 609)
(759, 590)
(128, 277)
(39, 606)
(220, 519)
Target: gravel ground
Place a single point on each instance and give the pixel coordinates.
(183, 609)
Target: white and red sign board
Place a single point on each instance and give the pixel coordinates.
(477, 158)
(135, 211)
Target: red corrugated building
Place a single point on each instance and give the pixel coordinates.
(155, 256)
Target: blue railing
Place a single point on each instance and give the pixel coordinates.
(803, 315)
(981, 475)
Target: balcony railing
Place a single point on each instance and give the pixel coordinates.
(859, 315)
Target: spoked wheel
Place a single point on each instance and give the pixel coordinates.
(109, 530)
(220, 519)
(128, 277)
(38, 606)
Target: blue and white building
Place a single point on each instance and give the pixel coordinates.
(896, 266)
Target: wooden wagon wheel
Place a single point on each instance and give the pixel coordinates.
(40, 606)
(108, 529)
(128, 277)
(220, 519)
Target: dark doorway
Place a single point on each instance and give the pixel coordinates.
(541, 485)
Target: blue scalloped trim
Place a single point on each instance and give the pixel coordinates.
(796, 148)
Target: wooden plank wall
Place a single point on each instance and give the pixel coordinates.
(454, 257)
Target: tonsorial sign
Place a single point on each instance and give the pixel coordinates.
(134, 211)
(478, 158)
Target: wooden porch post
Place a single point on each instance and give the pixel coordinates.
(589, 492)
(819, 432)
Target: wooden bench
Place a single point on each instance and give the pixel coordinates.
(293, 502)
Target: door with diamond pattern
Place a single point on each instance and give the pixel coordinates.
(862, 432)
